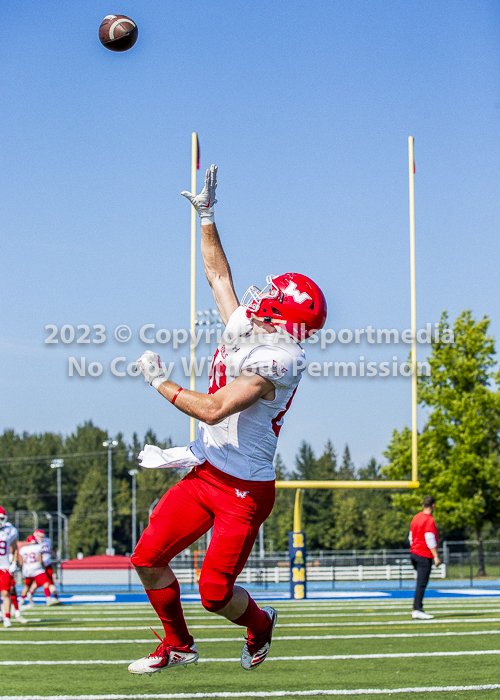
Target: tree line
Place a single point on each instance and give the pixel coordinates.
(459, 463)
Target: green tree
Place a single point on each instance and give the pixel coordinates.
(280, 523)
(88, 521)
(26, 480)
(384, 526)
(458, 449)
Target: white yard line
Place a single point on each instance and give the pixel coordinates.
(478, 607)
(276, 638)
(332, 657)
(285, 614)
(449, 621)
(295, 605)
(260, 694)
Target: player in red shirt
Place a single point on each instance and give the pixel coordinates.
(255, 374)
(423, 541)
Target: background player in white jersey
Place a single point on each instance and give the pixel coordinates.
(34, 570)
(47, 557)
(8, 563)
(255, 373)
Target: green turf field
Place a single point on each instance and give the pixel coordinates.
(83, 650)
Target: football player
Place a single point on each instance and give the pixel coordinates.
(47, 555)
(14, 602)
(33, 569)
(8, 563)
(254, 376)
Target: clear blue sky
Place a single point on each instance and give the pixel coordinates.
(306, 108)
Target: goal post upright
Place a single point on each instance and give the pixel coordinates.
(299, 486)
(414, 434)
(192, 384)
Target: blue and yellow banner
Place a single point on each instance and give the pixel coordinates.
(298, 570)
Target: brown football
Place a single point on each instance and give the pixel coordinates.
(118, 33)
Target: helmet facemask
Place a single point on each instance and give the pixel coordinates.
(253, 297)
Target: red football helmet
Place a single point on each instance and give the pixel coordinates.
(3, 517)
(39, 536)
(31, 539)
(290, 300)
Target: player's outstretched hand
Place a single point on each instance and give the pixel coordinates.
(150, 365)
(204, 202)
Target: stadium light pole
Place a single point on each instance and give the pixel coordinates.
(49, 520)
(209, 317)
(110, 444)
(58, 464)
(133, 473)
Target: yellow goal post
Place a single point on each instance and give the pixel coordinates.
(354, 484)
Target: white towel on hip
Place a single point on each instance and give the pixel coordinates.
(153, 457)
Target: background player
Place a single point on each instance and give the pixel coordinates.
(47, 555)
(255, 373)
(8, 563)
(33, 569)
(423, 542)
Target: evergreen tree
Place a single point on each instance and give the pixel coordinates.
(347, 471)
(320, 523)
(88, 522)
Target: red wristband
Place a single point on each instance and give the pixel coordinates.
(177, 394)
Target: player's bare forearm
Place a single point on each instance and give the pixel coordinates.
(434, 552)
(242, 393)
(218, 271)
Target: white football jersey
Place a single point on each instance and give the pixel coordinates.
(46, 546)
(31, 566)
(7, 536)
(244, 444)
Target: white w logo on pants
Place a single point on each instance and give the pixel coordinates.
(241, 494)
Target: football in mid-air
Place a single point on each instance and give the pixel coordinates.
(118, 33)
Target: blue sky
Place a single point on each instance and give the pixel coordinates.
(306, 108)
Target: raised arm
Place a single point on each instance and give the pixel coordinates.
(217, 267)
(241, 393)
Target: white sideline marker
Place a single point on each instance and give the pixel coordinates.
(332, 657)
(261, 694)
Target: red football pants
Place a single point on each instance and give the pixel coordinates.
(205, 498)
(50, 573)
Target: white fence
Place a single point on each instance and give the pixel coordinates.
(275, 574)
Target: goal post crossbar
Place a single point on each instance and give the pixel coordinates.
(352, 484)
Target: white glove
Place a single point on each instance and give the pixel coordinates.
(13, 567)
(150, 366)
(204, 202)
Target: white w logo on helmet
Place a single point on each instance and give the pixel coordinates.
(299, 297)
